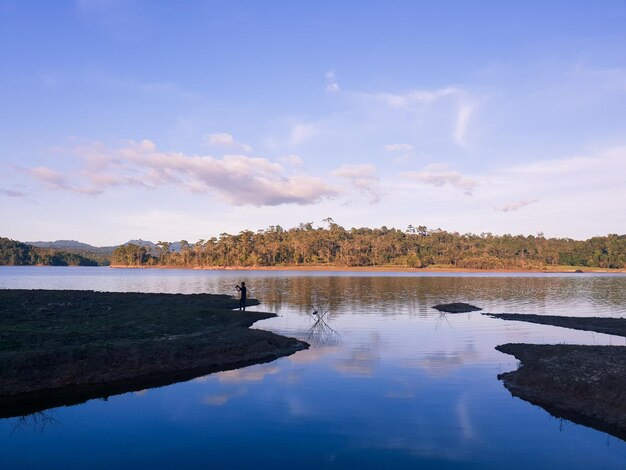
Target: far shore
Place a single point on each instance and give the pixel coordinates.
(402, 269)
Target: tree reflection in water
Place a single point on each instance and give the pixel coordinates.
(320, 332)
(38, 422)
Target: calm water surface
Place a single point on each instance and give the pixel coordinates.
(387, 382)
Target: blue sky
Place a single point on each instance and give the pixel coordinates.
(126, 119)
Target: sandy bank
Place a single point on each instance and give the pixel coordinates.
(64, 347)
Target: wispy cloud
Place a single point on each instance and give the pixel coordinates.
(514, 206)
(464, 114)
(450, 110)
(302, 132)
(292, 160)
(331, 82)
(363, 178)
(53, 179)
(12, 193)
(239, 179)
(439, 174)
(398, 147)
(223, 139)
(333, 87)
(413, 98)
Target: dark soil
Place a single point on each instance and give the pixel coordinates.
(610, 326)
(457, 307)
(585, 384)
(64, 347)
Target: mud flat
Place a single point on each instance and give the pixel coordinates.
(585, 384)
(610, 326)
(456, 307)
(65, 347)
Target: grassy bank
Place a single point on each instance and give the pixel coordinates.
(63, 347)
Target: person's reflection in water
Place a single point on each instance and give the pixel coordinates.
(242, 300)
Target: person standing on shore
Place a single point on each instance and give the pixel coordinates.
(242, 300)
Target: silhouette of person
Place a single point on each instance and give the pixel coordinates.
(242, 300)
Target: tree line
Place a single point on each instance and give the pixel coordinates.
(415, 247)
(14, 253)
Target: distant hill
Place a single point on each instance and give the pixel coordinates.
(152, 247)
(140, 242)
(73, 245)
(68, 252)
(14, 253)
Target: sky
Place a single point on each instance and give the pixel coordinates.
(125, 119)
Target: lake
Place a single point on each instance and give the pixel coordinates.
(388, 381)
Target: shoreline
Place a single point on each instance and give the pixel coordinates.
(584, 384)
(66, 347)
(605, 325)
(399, 269)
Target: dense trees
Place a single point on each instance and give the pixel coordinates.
(15, 253)
(333, 245)
(415, 248)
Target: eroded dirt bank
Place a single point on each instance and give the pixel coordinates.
(585, 384)
(64, 347)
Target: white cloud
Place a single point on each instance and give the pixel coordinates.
(223, 139)
(363, 178)
(444, 113)
(439, 175)
(301, 133)
(398, 147)
(363, 171)
(292, 160)
(333, 87)
(330, 76)
(460, 129)
(413, 98)
(239, 179)
(513, 206)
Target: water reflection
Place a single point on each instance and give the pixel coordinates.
(399, 385)
(38, 422)
(566, 294)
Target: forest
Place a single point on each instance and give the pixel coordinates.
(415, 247)
(14, 253)
(335, 246)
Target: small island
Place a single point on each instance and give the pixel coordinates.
(65, 347)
